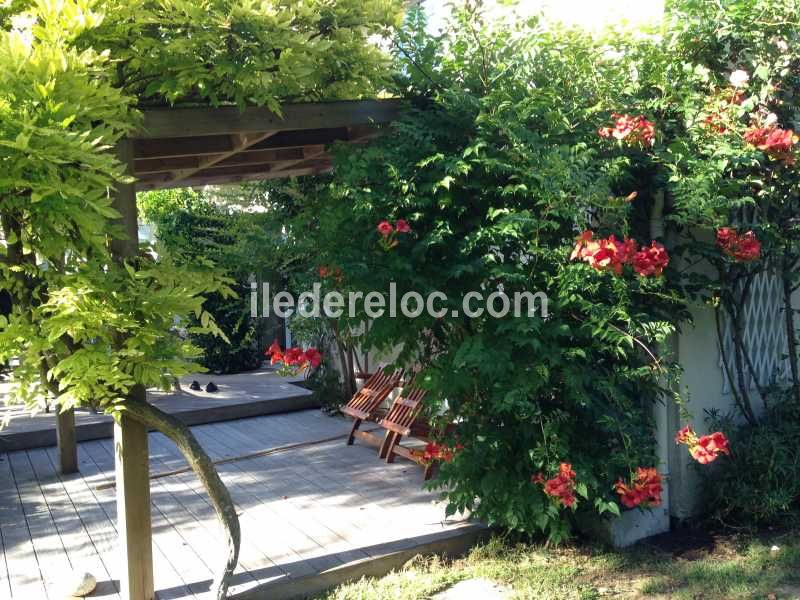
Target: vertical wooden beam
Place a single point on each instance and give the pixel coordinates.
(132, 457)
(133, 509)
(67, 442)
(125, 205)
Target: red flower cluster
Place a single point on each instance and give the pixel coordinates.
(644, 491)
(295, 359)
(434, 451)
(709, 447)
(651, 260)
(386, 229)
(685, 436)
(717, 120)
(334, 272)
(704, 449)
(631, 130)
(561, 487)
(389, 231)
(612, 254)
(743, 248)
(774, 141)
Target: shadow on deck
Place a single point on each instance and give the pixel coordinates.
(313, 515)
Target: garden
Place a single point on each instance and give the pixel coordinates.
(641, 179)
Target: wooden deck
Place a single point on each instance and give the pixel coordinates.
(307, 511)
(251, 394)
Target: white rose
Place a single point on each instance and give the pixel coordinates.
(739, 78)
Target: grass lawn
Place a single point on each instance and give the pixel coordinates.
(734, 567)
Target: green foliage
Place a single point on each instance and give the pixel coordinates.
(245, 52)
(713, 176)
(197, 227)
(760, 483)
(495, 168)
(103, 331)
(86, 327)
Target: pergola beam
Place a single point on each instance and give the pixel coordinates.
(258, 157)
(226, 120)
(258, 175)
(185, 147)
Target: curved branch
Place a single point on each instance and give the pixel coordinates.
(204, 468)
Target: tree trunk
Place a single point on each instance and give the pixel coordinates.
(204, 468)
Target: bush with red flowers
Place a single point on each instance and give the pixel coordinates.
(499, 173)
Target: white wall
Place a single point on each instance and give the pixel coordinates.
(697, 351)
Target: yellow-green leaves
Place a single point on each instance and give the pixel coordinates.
(265, 52)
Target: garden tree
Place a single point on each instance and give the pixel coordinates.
(204, 226)
(92, 322)
(520, 137)
(484, 186)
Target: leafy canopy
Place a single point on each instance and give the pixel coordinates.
(87, 328)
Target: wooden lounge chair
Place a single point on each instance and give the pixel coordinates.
(366, 402)
(402, 420)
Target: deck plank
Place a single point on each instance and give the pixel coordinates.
(193, 575)
(5, 580)
(164, 573)
(75, 518)
(255, 567)
(50, 553)
(283, 543)
(327, 534)
(339, 499)
(25, 577)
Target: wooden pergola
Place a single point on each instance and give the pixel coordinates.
(199, 146)
(187, 147)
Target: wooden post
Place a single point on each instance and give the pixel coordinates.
(67, 443)
(132, 458)
(133, 509)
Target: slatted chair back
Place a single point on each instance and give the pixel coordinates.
(375, 390)
(404, 412)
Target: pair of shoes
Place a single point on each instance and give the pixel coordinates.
(210, 388)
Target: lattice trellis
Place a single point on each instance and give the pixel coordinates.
(764, 334)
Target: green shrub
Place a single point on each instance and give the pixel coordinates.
(197, 227)
(760, 482)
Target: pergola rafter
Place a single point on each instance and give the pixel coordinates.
(184, 147)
